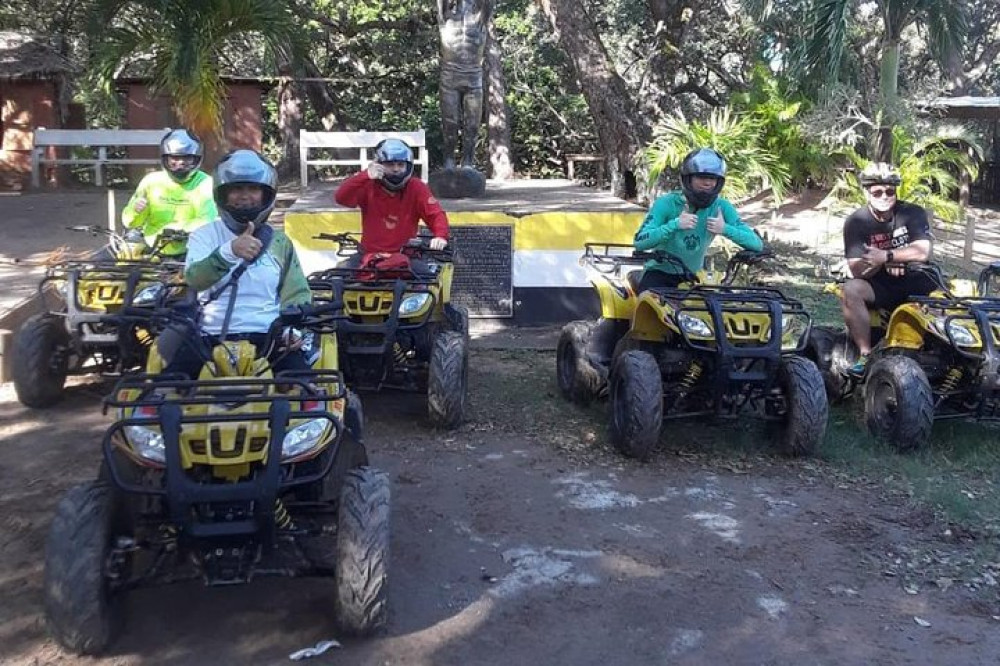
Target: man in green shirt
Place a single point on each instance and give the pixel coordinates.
(685, 222)
(178, 197)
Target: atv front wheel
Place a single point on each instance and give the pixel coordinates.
(899, 403)
(578, 380)
(636, 404)
(447, 379)
(806, 407)
(39, 362)
(363, 551)
(80, 609)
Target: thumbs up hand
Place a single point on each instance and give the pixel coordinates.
(717, 224)
(246, 246)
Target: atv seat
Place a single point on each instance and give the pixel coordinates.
(633, 278)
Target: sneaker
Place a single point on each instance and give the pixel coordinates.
(858, 369)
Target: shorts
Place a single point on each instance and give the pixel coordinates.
(891, 292)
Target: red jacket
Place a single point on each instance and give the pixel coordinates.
(389, 219)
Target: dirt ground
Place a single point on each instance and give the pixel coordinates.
(525, 539)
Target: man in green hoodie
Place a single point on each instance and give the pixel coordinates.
(178, 197)
(684, 223)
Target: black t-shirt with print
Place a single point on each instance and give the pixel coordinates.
(909, 223)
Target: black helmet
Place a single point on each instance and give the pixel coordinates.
(244, 167)
(879, 173)
(702, 162)
(180, 143)
(395, 150)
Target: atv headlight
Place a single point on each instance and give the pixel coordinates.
(413, 303)
(793, 327)
(149, 295)
(302, 438)
(962, 336)
(694, 326)
(146, 442)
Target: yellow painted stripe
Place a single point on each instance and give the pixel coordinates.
(540, 231)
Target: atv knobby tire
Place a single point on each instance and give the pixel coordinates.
(38, 380)
(79, 607)
(806, 406)
(362, 551)
(832, 353)
(578, 380)
(899, 403)
(447, 379)
(636, 404)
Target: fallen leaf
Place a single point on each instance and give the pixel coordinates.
(922, 622)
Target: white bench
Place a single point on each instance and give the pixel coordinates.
(362, 143)
(97, 139)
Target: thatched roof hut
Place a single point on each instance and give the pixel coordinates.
(25, 57)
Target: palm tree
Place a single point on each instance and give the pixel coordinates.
(180, 43)
(751, 167)
(945, 23)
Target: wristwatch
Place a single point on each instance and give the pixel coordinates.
(888, 257)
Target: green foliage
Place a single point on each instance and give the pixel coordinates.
(180, 45)
(752, 168)
(777, 110)
(930, 167)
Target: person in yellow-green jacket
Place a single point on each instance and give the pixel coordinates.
(178, 197)
(684, 223)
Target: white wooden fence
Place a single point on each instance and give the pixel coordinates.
(99, 140)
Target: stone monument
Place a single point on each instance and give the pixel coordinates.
(464, 26)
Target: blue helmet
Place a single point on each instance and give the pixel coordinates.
(244, 167)
(395, 150)
(703, 162)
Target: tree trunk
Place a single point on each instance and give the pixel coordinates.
(289, 124)
(888, 84)
(964, 190)
(323, 100)
(497, 118)
(620, 129)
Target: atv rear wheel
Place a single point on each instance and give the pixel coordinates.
(448, 379)
(363, 551)
(806, 407)
(636, 404)
(39, 361)
(578, 380)
(899, 403)
(80, 608)
(833, 353)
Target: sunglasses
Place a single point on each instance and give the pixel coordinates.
(878, 193)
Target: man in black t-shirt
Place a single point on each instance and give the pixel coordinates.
(878, 240)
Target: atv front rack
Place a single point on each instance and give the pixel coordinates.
(717, 300)
(386, 329)
(985, 312)
(267, 483)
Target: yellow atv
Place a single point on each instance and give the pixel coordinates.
(236, 475)
(77, 337)
(723, 351)
(933, 357)
(402, 331)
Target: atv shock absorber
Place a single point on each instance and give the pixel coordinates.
(690, 378)
(398, 353)
(281, 516)
(951, 379)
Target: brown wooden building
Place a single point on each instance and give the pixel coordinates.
(34, 92)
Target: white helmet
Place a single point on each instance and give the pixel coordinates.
(181, 143)
(244, 167)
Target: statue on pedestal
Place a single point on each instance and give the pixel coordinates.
(464, 27)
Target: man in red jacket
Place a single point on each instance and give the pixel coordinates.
(392, 202)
